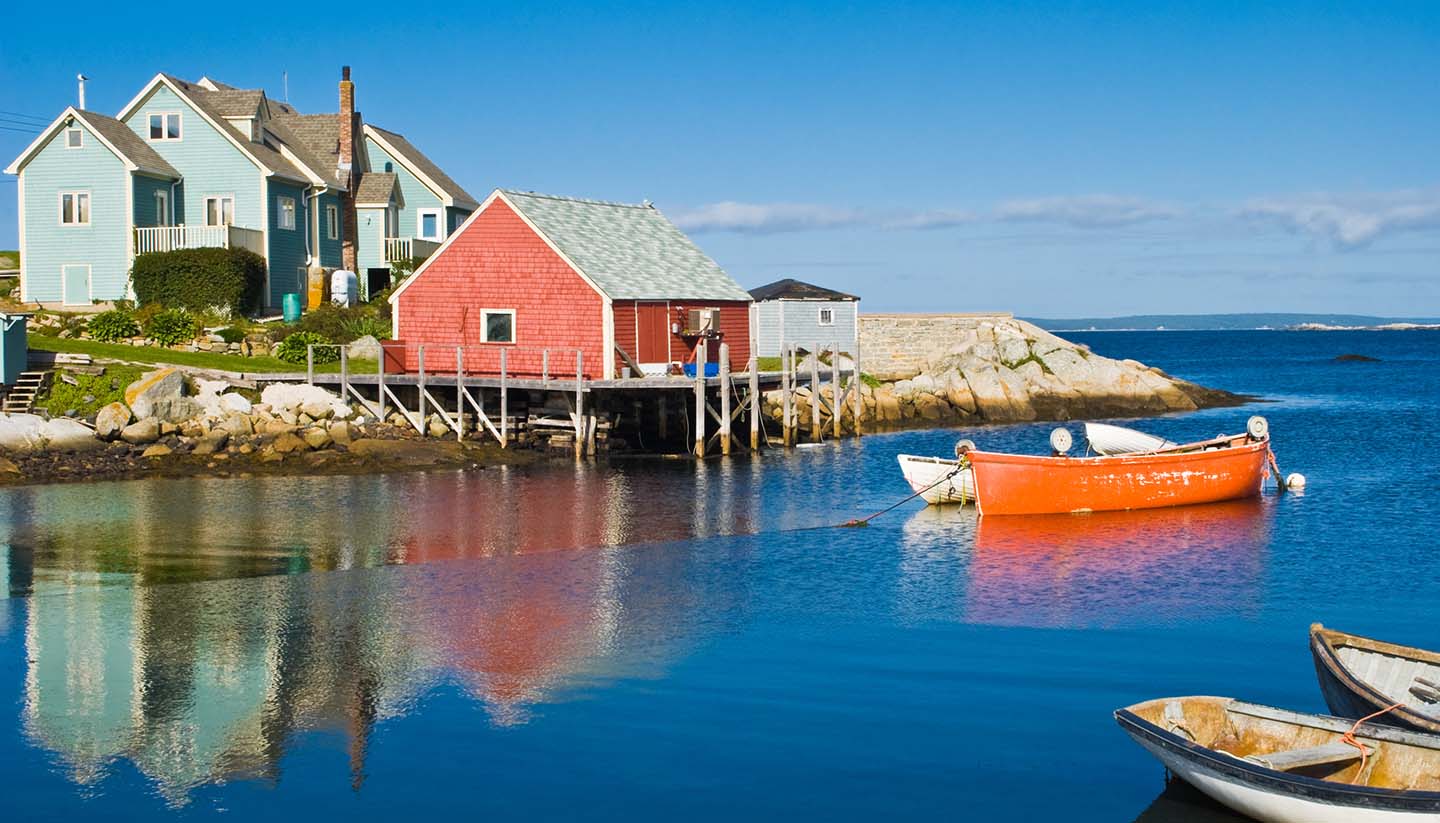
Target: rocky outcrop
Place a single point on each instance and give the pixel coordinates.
(161, 394)
(997, 369)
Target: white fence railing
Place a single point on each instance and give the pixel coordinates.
(170, 238)
(406, 248)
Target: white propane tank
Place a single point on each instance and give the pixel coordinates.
(1061, 441)
(1295, 480)
(344, 288)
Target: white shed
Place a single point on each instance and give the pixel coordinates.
(789, 311)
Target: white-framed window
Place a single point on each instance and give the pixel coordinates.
(497, 325)
(285, 213)
(74, 208)
(75, 138)
(428, 225)
(162, 207)
(165, 125)
(332, 222)
(219, 209)
(827, 317)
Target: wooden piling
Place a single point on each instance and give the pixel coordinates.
(785, 399)
(504, 403)
(380, 381)
(662, 410)
(836, 399)
(755, 405)
(579, 404)
(815, 433)
(424, 427)
(344, 374)
(310, 364)
(460, 393)
(700, 398)
(859, 408)
(725, 398)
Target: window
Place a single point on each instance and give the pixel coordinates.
(332, 222)
(427, 224)
(165, 126)
(285, 213)
(220, 210)
(827, 317)
(74, 139)
(162, 207)
(74, 208)
(497, 325)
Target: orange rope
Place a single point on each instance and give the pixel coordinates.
(1349, 738)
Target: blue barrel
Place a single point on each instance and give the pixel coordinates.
(290, 307)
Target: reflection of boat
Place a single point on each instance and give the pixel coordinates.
(1116, 567)
(1107, 439)
(1182, 802)
(1282, 766)
(1226, 468)
(1360, 676)
(938, 480)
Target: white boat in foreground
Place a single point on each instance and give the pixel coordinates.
(1280, 766)
(1106, 439)
(937, 480)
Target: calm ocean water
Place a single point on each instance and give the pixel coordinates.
(655, 639)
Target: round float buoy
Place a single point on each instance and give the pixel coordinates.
(1257, 427)
(1061, 441)
(1295, 480)
(964, 447)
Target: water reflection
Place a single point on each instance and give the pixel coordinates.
(1182, 803)
(1114, 568)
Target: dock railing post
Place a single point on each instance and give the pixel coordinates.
(785, 396)
(700, 398)
(725, 398)
(754, 368)
(504, 402)
(344, 375)
(815, 393)
(836, 398)
(460, 393)
(859, 407)
(545, 365)
(310, 364)
(380, 380)
(424, 427)
(579, 404)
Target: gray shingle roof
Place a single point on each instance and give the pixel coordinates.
(235, 102)
(315, 139)
(207, 101)
(423, 163)
(791, 289)
(375, 187)
(630, 252)
(123, 138)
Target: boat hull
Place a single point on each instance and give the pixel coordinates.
(1025, 484)
(1274, 796)
(1348, 694)
(931, 478)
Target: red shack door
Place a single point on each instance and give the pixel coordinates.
(652, 326)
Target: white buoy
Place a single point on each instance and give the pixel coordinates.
(1294, 480)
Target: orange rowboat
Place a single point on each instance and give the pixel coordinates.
(1226, 468)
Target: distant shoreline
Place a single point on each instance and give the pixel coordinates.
(1246, 321)
(1387, 328)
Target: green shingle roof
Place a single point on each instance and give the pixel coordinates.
(632, 252)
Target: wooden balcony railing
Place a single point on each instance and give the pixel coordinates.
(170, 238)
(408, 248)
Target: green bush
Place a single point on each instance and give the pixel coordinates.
(200, 279)
(113, 325)
(293, 348)
(231, 335)
(375, 326)
(171, 327)
(342, 325)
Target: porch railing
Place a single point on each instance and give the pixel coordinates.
(170, 238)
(408, 248)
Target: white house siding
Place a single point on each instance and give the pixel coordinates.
(767, 329)
(798, 322)
(49, 246)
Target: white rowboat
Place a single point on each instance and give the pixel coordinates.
(936, 479)
(1106, 439)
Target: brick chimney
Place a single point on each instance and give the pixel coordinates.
(346, 169)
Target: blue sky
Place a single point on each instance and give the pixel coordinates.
(1056, 159)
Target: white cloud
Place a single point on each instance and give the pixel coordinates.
(775, 218)
(1092, 211)
(1350, 221)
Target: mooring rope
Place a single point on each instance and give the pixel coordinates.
(1348, 738)
(865, 521)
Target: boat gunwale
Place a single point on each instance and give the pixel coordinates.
(1297, 785)
(1325, 651)
(1180, 454)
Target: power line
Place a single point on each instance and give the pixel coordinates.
(42, 120)
(22, 131)
(14, 122)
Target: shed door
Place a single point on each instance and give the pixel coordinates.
(652, 325)
(75, 284)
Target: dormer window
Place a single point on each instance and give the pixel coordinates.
(165, 126)
(74, 138)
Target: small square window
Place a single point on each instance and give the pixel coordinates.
(285, 213)
(428, 224)
(497, 326)
(219, 210)
(74, 139)
(165, 126)
(827, 317)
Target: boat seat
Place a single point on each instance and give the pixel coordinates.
(1324, 755)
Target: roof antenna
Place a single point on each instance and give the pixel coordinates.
(81, 79)
(285, 85)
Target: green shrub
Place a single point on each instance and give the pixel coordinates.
(172, 326)
(342, 325)
(113, 325)
(294, 346)
(200, 279)
(231, 335)
(377, 327)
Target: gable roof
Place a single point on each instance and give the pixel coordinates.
(135, 153)
(629, 252)
(791, 289)
(315, 139)
(375, 188)
(422, 167)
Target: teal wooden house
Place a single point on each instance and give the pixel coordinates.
(205, 164)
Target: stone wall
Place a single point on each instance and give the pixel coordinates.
(900, 346)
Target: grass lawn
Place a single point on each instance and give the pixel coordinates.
(102, 390)
(199, 360)
(9, 259)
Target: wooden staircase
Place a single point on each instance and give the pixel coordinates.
(20, 397)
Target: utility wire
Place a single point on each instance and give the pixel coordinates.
(22, 131)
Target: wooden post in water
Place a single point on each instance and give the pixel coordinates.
(380, 381)
(700, 398)
(836, 400)
(579, 404)
(725, 398)
(754, 404)
(785, 395)
(662, 414)
(859, 401)
(504, 403)
(424, 426)
(815, 432)
(460, 394)
(345, 375)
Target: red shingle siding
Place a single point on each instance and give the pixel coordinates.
(498, 262)
(734, 330)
